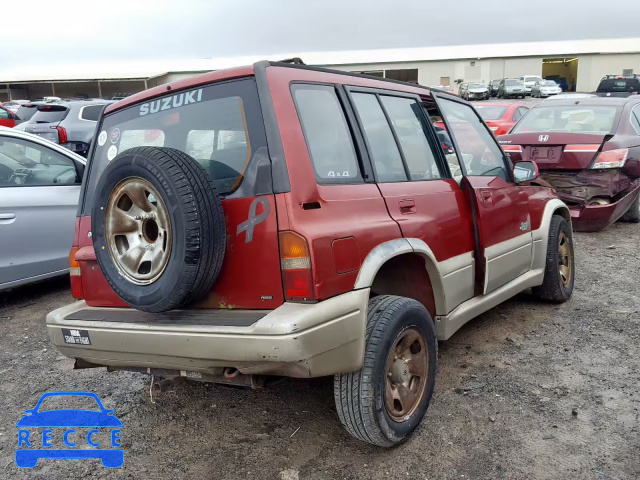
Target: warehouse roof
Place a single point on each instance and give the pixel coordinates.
(144, 70)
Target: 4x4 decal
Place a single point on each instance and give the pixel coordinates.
(253, 220)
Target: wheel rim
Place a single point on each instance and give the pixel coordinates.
(564, 259)
(406, 374)
(138, 231)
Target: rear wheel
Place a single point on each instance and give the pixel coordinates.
(559, 273)
(633, 214)
(385, 401)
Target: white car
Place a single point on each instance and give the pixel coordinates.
(39, 190)
(529, 81)
(545, 88)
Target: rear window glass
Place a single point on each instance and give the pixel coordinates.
(50, 114)
(490, 112)
(326, 133)
(619, 85)
(569, 118)
(91, 112)
(26, 112)
(219, 125)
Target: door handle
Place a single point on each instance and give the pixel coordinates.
(407, 206)
(486, 197)
(7, 218)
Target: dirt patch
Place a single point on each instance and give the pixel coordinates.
(527, 390)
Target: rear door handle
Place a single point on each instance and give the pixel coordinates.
(486, 197)
(407, 206)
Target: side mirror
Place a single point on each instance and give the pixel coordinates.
(525, 171)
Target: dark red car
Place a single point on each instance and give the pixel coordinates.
(589, 151)
(501, 116)
(7, 117)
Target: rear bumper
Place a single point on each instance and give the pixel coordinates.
(296, 340)
(592, 218)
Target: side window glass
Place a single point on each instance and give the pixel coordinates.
(3, 114)
(382, 146)
(478, 150)
(327, 134)
(445, 143)
(30, 164)
(406, 118)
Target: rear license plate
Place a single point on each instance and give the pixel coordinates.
(548, 154)
(76, 337)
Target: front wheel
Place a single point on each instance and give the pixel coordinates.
(559, 272)
(385, 401)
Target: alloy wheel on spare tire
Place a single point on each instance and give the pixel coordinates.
(158, 228)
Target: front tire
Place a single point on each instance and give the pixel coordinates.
(633, 214)
(559, 273)
(385, 401)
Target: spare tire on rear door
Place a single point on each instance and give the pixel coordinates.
(158, 228)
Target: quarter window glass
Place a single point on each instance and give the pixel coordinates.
(91, 112)
(635, 119)
(479, 152)
(407, 121)
(382, 146)
(28, 164)
(3, 114)
(326, 133)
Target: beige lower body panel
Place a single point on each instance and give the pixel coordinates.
(297, 340)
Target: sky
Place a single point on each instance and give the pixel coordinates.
(75, 31)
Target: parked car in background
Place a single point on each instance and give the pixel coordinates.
(25, 113)
(589, 150)
(511, 88)
(493, 87)
(501, 117)
(356, 279)
(545, 88)
(7, 117)
(474, 91)
(71, 124)
(39, 189)
(13, 105)
(618, 86)
(561, 81)
(529, 81)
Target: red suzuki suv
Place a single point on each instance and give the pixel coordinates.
(283, 220)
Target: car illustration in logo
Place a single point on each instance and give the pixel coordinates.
(67, 442)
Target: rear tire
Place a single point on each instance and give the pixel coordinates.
(385, 401)
(559, 273)
(633, 214)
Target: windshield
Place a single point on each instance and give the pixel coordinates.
(619, 85)
(218, 125)
(569, 118)
(477, 85)
(490, 112)
(532, 79)
(49, 114)
(548, 83)
(513, 83)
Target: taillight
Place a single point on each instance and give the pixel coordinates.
(74, 272)
(511, 149)
(588, 148)
(611, 159)
(295, 261)
(62, 135)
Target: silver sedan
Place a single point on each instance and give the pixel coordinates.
(39, 190)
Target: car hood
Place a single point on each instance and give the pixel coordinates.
(69, 418)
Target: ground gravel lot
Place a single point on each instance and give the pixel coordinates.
(507, 385)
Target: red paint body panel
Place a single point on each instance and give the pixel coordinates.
(251, 271)
(441, 216)
(506, 120)
(346, 256)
